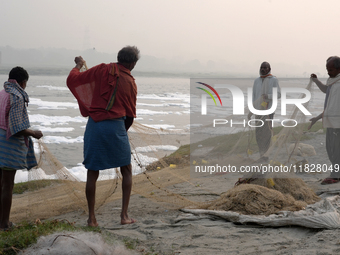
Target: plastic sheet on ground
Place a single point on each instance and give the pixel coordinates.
(323, 214)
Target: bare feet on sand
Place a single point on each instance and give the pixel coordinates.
(127, 221)
(92, 223)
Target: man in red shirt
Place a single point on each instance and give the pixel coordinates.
(107, 94)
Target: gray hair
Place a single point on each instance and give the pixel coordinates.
(336, 61)
(128, 55)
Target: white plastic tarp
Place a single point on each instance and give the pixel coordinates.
(323, 214)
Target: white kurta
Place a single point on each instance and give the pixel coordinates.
(331, 115)
(265, 86)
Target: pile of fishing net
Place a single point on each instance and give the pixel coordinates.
(272, 202)
(266, 196)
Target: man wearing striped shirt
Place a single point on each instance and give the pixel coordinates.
(16, 146)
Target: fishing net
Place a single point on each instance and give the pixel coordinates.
(266, 196)
(256, 200)
(156, 173)
(57, 191)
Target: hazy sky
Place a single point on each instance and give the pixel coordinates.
(287, 33)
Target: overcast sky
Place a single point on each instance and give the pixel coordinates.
(286, 33)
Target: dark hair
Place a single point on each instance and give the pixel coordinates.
(19, 74)
(336, 61)
(128, 55)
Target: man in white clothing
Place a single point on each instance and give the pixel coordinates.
(331, 116)
(262, 100)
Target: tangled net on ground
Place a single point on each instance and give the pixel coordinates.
(256, 200)
(265, 196)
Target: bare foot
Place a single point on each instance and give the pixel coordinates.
(127, 221)
(8, 226)
(93, 223)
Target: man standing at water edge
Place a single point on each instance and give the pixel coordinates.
(331, 116)
(107, 94)
(16, 146)
(262, 100)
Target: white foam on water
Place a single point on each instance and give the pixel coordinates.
(22, 175)
(163, 129)
(150, 112)
(166, 97)
(161, 126)
(45, 129)
(62, 139)
(52, 105)
(50, 87)
(59, 120)
(80, 171)
(144, 160)
(151, 105)
(179, 105)
(152, 148)
(183, 105)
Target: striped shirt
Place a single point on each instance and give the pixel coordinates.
(5, 106)
(18, 116)
(16, 152)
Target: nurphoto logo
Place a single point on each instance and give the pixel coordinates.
(238, 99)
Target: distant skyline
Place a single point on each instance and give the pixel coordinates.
(295, 36)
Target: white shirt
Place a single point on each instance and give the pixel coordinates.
(331, 115)
(265, 86)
